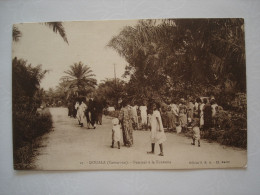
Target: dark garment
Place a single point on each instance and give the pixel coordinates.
(91, 112)
(74, 110)
(207, 114)
(74, 113)
(88, 115)
(99, 108)
(91, 117)
(71, 109)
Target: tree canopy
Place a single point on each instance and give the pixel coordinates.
(79, 80)
(26, 85)
(180, 57)
(111, 91)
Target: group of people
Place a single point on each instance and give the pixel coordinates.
(87, 112)
(127, 120)
(182, 114)
(198, 115)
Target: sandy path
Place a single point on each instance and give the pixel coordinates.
(70, 147)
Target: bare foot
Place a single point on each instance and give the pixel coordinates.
(161, 154)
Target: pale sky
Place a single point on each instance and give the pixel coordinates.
(87, 43)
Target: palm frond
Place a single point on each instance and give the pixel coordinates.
(16, 34)
(57, 27)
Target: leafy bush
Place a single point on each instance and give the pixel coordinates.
(26, 129)
(231, 130)
(234, 137)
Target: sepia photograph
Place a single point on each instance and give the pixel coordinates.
(147, 94)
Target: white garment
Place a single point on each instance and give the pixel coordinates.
(157, 131)
(196, 106)
(115, 121)
(134, 113)
(196, 133)
(201, 114)
(116, 133)
(178, 129)
(174, 109)
(143, 110)
(134, 110)
(214, 111)
(81, 112)
(76, 105)
(111, 109)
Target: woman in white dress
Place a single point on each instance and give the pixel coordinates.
(81, 112)
(76, 108)
(157, 130)
(143, 110)
(201, 114)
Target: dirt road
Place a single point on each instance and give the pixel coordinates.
(70, 147)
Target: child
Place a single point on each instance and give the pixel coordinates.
(196, 132)
(116, 133)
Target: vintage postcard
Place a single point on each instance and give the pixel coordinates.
(129, 94)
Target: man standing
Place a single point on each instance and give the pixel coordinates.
(92, 112)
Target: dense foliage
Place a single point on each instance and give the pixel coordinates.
(177, 58)
(28, 124)
(112, 91)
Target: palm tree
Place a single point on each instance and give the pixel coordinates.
(80, 79)
(57, 27)
(16, 34)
